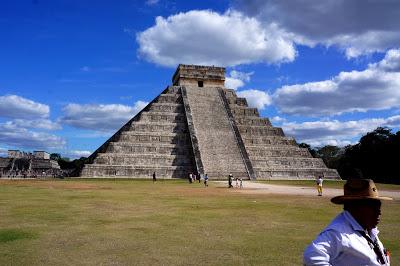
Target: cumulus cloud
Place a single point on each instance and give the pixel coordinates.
(256, 98)
(77, 154)
(36, 123)
(13, 106)
(237, 79)
(334, 132)
(358, 27)
(13, 135)
(375, 88)
(208, 38)
(100, 117)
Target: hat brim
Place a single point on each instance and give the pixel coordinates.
(343, 199)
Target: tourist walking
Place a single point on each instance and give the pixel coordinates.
(230, 178)
(241, 183)
(154, 177)
(190, 178)
(236, 182)
(319, 185)
(352, 237)
(205, 180)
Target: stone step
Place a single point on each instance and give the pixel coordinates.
(137, 171)
(287, 162)
(153, 116)
(268, 140)
(167, 107)
(169, 98)
(243, 111)
(143, 159)
(216, 139)
(296, 173)
(157, 148)
(286, 151)
(238, 101)
(174, 89)
(171, 127)
(246, 130)
(256, 121)
(143, 137)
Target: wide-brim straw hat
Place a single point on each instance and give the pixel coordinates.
(358, 189)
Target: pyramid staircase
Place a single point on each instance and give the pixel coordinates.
(199, 126)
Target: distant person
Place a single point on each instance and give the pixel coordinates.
(205, 180)
(198, 177)
(154, 177)
(230, 178)
(319, 185)
(190, 178)
(241, 183)
(237, 182)
(352, 237)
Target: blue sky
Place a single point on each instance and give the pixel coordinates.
(73, 72)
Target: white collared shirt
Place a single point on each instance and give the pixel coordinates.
(341, 243)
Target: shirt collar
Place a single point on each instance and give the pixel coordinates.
(356, 226)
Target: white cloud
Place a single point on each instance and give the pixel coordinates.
(36, 123)
(376, 88)
(336, 132)
(278, 119)
(358, 27)
(13, 106)
(76, 154)
(256, 98)
(13, 135)
(209, 38)
(237, 79)
(100, 117)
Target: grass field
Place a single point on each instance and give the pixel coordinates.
(133, 222)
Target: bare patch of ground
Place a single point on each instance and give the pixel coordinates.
(261, 188)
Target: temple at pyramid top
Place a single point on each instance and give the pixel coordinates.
(200, 76)
(197, 125)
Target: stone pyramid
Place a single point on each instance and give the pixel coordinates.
(199, 126)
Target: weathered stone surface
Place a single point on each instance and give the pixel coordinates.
(200, 126)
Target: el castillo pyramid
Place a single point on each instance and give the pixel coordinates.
(199, 126)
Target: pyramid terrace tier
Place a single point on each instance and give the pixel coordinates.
(153, 116)
(295, 173)
(169, 98)
(135, 171)
(149, 148)
(252, 130)
(253, 121)
(151, 137)
(143, 159)
(277, 151)
(165, 107)
(268, 140)
(167, 127)
(287, 162)
(243, 111)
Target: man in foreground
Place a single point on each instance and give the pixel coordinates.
(352, 237)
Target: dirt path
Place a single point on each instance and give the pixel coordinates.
(260, 188)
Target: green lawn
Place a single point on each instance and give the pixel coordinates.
(132, 222)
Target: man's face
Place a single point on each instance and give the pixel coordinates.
(369, 212)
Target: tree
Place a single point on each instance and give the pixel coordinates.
(55, 156)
